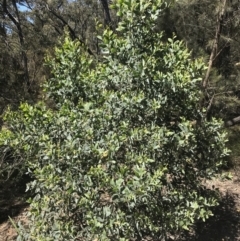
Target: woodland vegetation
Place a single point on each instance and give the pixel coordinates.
(117, 111)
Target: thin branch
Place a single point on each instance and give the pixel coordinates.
(210, 104)
(71, 31)
(220, 19)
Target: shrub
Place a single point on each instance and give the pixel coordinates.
(124, 154)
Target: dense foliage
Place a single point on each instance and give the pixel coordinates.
(123, 154)
(209, 29)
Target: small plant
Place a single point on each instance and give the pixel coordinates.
(123, 155)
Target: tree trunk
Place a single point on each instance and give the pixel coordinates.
(107, 16)
(17, 23)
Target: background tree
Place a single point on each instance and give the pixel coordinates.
(211, 30)
(17, 22)
(29, 29)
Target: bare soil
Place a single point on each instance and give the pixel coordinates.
(223, 226)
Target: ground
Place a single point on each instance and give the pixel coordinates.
(12, 204)
(223, 226)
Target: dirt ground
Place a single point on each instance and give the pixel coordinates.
(223, 226)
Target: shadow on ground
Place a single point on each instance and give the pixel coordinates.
(223, 226)
(12, 198)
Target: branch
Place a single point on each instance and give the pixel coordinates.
(212, 99)
(28, 5)
(210, 104)
(5, 9)
(215, 45)
(232, 122)
(71, 31)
